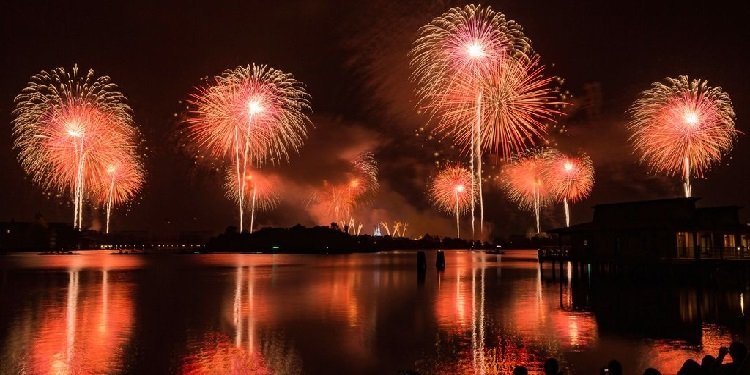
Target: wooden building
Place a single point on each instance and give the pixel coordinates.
(663, 229)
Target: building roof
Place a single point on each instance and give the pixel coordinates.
(660, 214)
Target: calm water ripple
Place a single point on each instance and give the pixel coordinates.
(97, 313)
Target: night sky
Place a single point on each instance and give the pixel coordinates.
(352, 57)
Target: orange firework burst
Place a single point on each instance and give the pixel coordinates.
(477, 74)
(123, 180)
(524, 180)
(517, 103)
(341, 199)
(249, 115)
(69, 129)
(463, 42)
(364, 177)
(260, 191)
(570, 178)
(682, 127)
(451, 191)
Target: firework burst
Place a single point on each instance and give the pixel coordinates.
(570, 178)
(124, 179)
(69, 128)
(450, 59)
(682, 127)
(260, 191)
(450, 192)
(524, 181)
(249, 115)
(341, 199)
(518, 103)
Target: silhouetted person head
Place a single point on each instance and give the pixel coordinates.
(520, 370)
(551, 367)
(738, 351)
(651, 371)
(615, 368)
(690, 367)
(708, 362)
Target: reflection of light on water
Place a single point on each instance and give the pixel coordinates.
(250, 309)
(80, 331)
(742, 303)
(71, 317)
(238, 307)
(105, 301)
(669, 355)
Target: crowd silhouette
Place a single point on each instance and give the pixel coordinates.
(709, 365)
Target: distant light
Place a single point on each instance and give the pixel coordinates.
(475, 50)
(691, 118)
(275, 247)
(460, 188)
(254, 107)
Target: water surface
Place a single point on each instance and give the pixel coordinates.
(346, 314)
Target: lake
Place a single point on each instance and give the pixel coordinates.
(99, 313)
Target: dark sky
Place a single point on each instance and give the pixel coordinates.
(352, 57)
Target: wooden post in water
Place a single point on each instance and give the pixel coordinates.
(421, 261)
(421, 267)
(440, 262)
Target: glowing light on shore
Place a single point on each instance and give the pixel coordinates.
(570, 178)
(450, 192)
(69, 128)
(249, 115)
(683, 127)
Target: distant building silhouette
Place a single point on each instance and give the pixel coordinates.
(658, 229)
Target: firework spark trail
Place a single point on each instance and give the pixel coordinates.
(249, 115)
(518, 104)
(123, 181)
(69, 128)
(682, 127)
(570, 178)
(261, 193)
(450, 192)
(524, 181)
(341, 199)
(363, 181)
(477, 74)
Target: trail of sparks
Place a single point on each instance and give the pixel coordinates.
(69, 129)
(478, 76)
(249, 115)
(570, 178)
(260, 191)
(450, 192)
(525, 181)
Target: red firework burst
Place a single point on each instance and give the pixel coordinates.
(682, 127)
